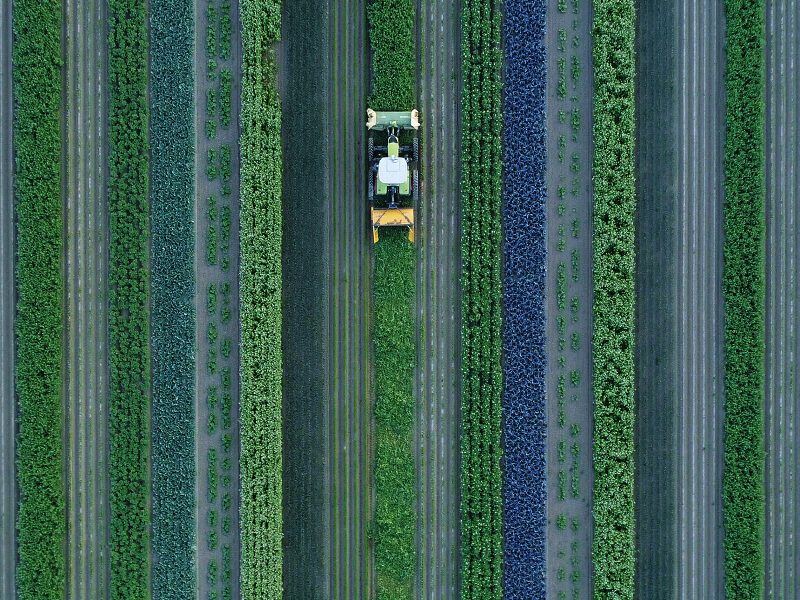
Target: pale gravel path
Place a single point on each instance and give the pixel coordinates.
(681, 239)
(86, 297)
(438, 241)
(8, 488)
(782, 415)
(350, 290)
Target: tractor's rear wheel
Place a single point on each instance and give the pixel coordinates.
(370, 185)
(416, 150)
(415, 192)
(369, 150)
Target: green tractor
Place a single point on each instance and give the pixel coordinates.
(393, 171)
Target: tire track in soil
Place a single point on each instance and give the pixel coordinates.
(8, 491)
(684, 183)
(782, 559)
(438, 301)
(349, 302)
(86, 333)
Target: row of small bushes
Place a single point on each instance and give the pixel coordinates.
(173, 287)
(481, 185)
(129, 287)
(40, 316)
(524, 290)
(743, 291)
(613, 308)
(260, 278)
(391, 33)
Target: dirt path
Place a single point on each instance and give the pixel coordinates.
(679, 496)
(8, 503)
(782, 558)
(570, 405)
(349, 304)
(439, 302)
(86, 343)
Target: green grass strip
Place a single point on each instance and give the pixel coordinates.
(260, 279)
(391, 29)
(40, 315)
(613, 310)
(481, 185)
(173, 290)
(129, 287)
(743, 290)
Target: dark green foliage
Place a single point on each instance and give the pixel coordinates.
(40, 317)
(743, 290)
(261, 461)
(173, 291)
(225, 90)
(129, 288)
(225, 27)
(613, 261)
(391, 35)
(481, 478)
(394, 293)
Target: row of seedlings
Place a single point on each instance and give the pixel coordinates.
(261, 316)
(220, 335)
(524, 285)
(172, 185)
(394, 294)
(39, 320)
(481, 184)
(572, 392)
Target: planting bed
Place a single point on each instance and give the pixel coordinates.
(782, 556)
(679, 352)
(86, 373)
(438, 381)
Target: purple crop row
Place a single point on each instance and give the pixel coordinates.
(524, 197)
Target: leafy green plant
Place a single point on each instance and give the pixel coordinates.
(225, 91)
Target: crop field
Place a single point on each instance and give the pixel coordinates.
(569, 373)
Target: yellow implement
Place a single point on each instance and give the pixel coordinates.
(392, 217)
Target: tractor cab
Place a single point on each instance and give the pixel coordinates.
(393, 172)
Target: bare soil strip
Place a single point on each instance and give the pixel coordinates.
(570, 405)
(349, 304)
(439, 301)
(8, 495)
(679, 534)
(782, 558)
(86, 256)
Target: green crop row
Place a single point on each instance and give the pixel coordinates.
(481, 477)
(260, 279)
(394, 292)
(613, 262)
(129, 286)
(173, 290)
(743, 290)
(40, 316)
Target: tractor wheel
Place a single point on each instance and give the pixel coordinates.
(369, 150)
(415, 191)
(370, 186)
(416, 149)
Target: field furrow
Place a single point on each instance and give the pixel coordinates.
(439, 302)
(349, 294)
(680, 396)
(86, 271)
(782, 558)
(8, 495)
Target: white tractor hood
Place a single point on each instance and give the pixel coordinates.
(393, 170)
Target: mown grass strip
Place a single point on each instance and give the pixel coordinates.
(391, 30)
(40, 317)
(260, 280)
(173, 289)
(613, 308)
(129, 287)
(481, 185)
(743, 291)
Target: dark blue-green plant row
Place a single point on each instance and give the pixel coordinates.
(173, 289)
(524, 285)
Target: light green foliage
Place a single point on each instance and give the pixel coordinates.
(743, 291)
(613, 262)
(391, 34)
(260, 278)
